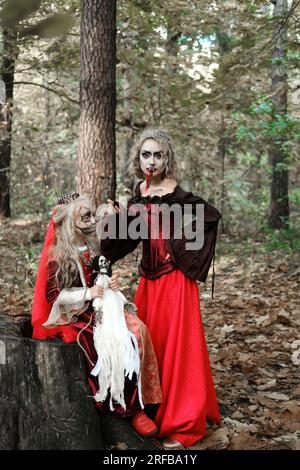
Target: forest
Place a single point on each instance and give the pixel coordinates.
(80, 80)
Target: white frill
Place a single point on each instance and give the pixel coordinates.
(116, 346)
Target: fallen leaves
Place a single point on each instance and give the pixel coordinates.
(251, 328)
(214, 439)
(252, 332)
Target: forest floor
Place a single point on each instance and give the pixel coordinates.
(251, 325)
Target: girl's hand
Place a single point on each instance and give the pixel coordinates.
(114, 282)
(96, 292)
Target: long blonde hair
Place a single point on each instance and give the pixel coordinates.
(164, 139)
(64, 251)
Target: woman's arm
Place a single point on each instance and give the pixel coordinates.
(114, 247)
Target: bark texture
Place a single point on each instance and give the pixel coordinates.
(6, 101)
(279, 198)
(97, 165)
(44, 397)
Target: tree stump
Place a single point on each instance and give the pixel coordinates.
(45, 399)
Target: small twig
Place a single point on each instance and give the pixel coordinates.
(49, 89)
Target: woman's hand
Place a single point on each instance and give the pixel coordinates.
(113, 206)
(114, 282)
(96, 292)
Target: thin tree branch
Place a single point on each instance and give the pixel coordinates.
(278, 32)
(62, 95)
(29, 68)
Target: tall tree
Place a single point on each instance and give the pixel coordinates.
(6, 101)
(17, 24)
(97, 165)
(223, 39)
(279, 203)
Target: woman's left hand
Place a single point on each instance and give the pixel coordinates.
(114, 282)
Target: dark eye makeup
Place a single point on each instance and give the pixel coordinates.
(87, 216)
(146, 154)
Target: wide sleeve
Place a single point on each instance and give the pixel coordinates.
(195, 263)
(119, 243)
(66, 304)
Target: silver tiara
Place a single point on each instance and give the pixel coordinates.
(156, 134)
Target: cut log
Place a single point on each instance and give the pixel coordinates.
(45, 399)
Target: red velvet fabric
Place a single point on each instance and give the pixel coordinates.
(46, 293)
(154, 262)
(170, 308)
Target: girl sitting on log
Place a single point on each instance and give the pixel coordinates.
(62, 307)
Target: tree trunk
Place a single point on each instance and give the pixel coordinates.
(223, 141)
(172, 45)
(279, 200)
(222, 147)
(128, 86)
(97, 162)
(6, 101)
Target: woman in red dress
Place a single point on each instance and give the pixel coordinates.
(62, 306)
(167, 296)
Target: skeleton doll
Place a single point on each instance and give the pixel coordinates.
(116, 346)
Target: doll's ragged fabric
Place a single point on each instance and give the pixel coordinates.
(117, 349)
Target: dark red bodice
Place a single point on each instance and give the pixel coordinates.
(154, 262)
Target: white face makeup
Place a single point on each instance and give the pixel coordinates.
(152, 158)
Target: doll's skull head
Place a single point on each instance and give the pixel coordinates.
(103, 264)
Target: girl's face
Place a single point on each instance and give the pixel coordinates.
(84, 218)
(152, 158)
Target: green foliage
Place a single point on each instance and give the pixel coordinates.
(287, 240)
(266, 125)
(294, 196)
(201, 70)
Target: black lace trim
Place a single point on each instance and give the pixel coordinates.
(172, 198)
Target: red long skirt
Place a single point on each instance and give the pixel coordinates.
(170, 308)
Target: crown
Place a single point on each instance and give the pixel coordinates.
(67, 198)
(156, 134)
